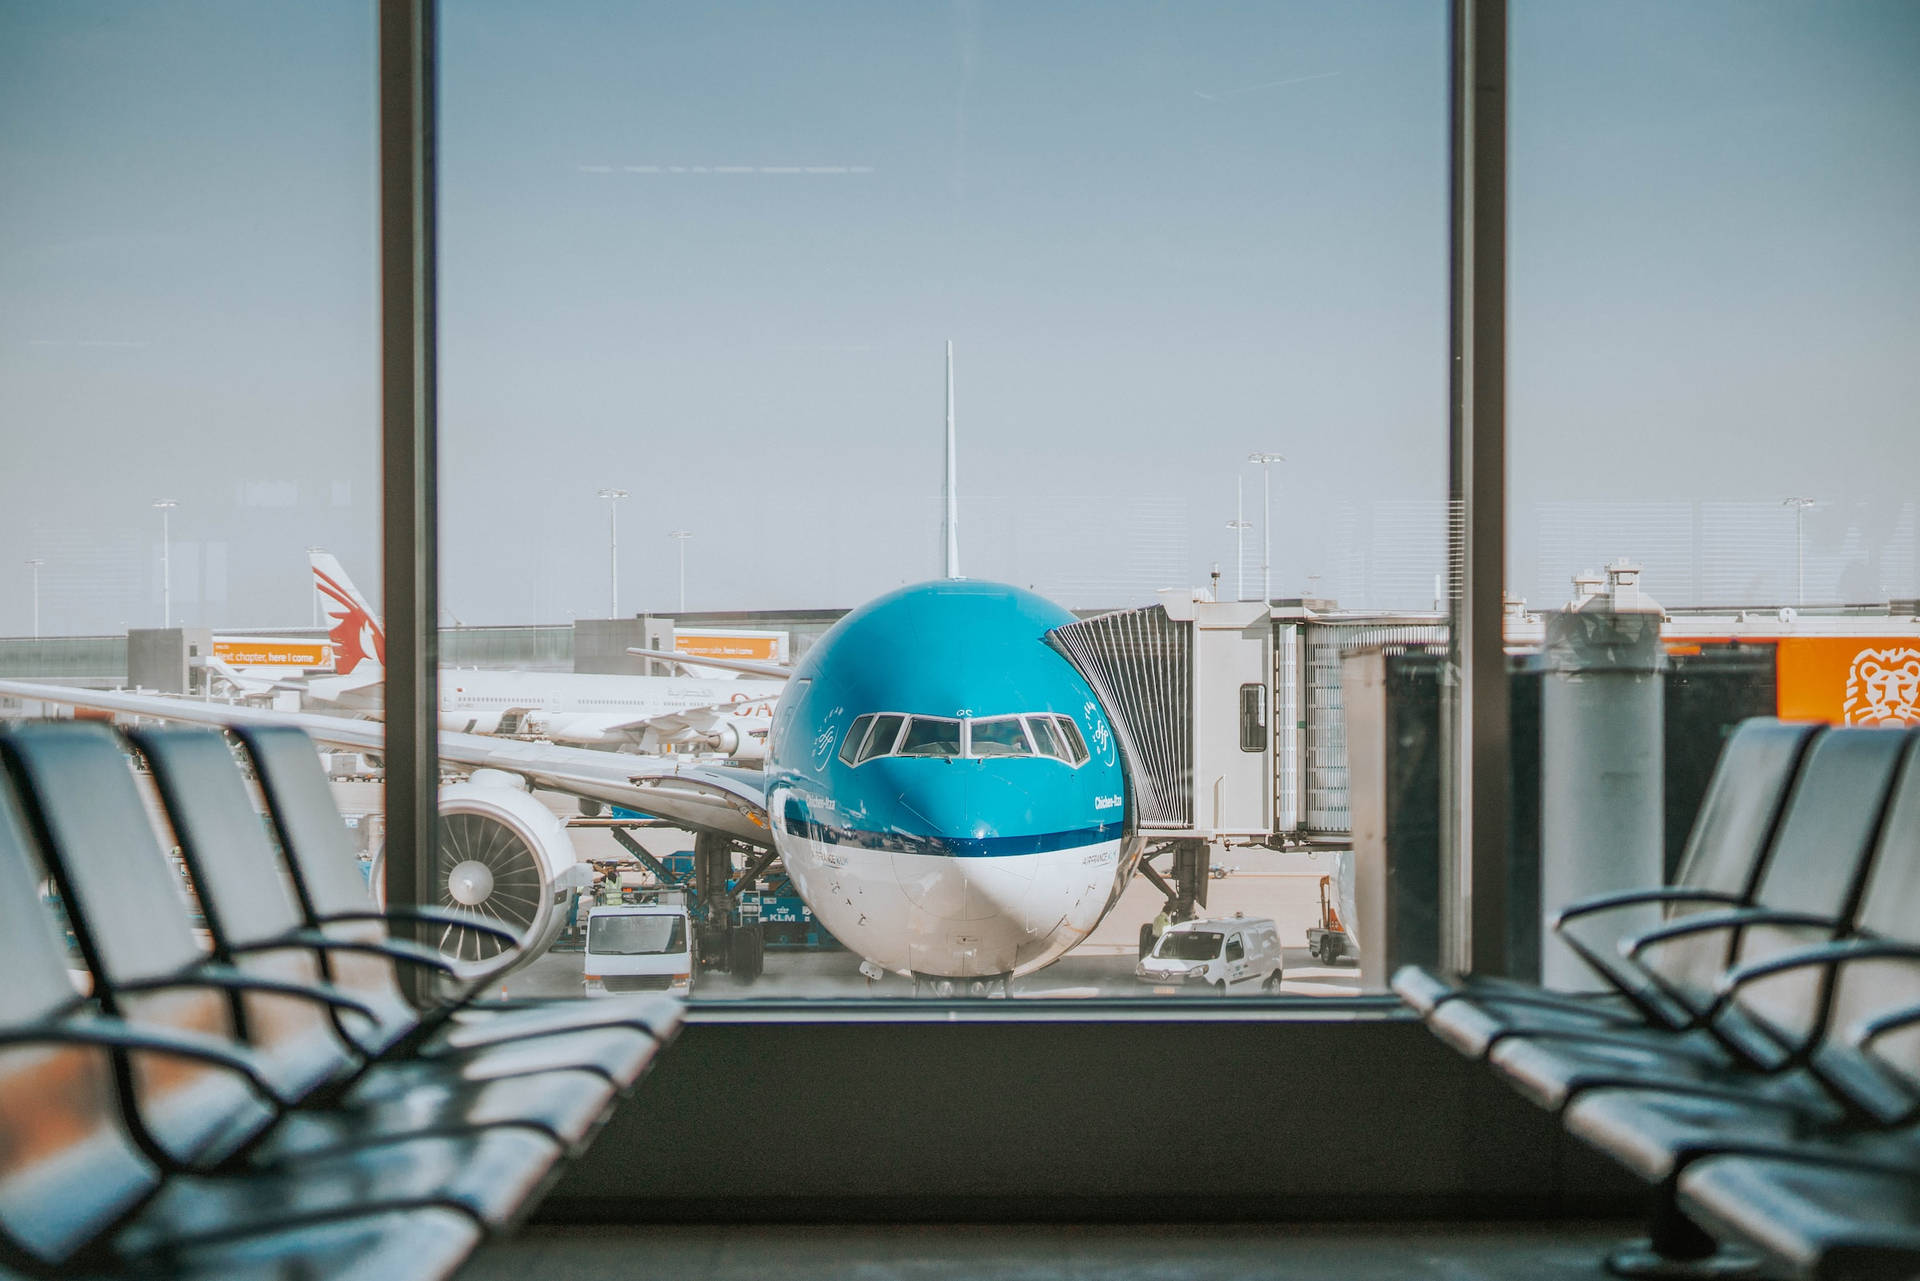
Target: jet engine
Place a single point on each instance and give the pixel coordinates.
(503, 856)
(740, 738)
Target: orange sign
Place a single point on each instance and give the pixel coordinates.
(718, 645)
(263, 653)
(1849, 680)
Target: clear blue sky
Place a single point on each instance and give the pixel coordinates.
(1159, 236)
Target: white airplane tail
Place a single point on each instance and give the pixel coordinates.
(359, 643)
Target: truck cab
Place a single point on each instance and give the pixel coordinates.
(639, 947)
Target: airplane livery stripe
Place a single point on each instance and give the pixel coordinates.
(954, 846)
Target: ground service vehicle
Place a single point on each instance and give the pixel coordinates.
(1215, 955)
(645, 947)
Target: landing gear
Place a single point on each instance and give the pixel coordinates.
(747, 958)
(1146, 939)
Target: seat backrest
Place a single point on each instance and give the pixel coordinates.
(247, 897)
(1727, 846)
(1889, 909)
(324, 865)
(129, 911)
(67, 1169)
(1833, 837)
(1815, 864)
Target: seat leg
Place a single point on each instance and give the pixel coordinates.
(1677, 1247)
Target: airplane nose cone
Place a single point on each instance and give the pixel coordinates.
(966, 880)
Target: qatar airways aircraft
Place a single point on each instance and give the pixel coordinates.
(942, 784)
(633, 713)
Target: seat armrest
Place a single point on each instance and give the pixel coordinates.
(232, 980)
(393, 949)
(1711, 922)
(116, 1034)
(1822, 956)
(1640, 898)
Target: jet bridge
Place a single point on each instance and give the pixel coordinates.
(1231, 718)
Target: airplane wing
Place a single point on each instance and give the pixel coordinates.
(699, 797)
(771, 671)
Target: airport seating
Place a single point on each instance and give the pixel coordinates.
(205, 1116)
(560, 1083)
(82, 1193)
(1788, 1117)
(335, 901)
(1808, 891)
(1720, 868)
(254, 917)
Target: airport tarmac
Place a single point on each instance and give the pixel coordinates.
(1260, 882)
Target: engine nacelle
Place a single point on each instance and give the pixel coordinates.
(504, 856)
(741, 738)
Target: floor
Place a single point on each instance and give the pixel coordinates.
(1346, 1252)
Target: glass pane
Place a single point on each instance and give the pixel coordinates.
(702, 273)
(1001, 736)
(1711, 406)
(886, 732)
(930, 736)
(856, 738)
(189, 368)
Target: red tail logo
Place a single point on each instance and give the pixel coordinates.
(355, 636)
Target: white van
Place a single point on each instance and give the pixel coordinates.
(1215, 956)
(644, 947)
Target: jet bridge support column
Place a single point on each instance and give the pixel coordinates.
(1189, 878)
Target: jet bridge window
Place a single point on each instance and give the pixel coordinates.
(998, 736)
(1253, 717)
(930, 736)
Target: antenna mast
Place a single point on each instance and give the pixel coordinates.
(951, 525)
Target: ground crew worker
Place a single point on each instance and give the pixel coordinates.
(1160, 923)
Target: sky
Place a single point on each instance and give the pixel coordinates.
(712, 255)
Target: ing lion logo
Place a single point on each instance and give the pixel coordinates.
(1883, 688)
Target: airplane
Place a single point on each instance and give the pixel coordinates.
(628, 712)
(942, 785)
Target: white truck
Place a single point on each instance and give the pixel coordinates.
(644, 947)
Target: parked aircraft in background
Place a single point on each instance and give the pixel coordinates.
(630, 712)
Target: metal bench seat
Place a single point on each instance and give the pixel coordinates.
(363, 953)
(1808, 892)
(135, 930)
(255, 922)
(423, 1244)
(1817, 1220)
(84, 1190)
(1721, 868)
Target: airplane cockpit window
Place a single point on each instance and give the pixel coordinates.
(856, 737)
(930, 736)
(885, 733)
(998, 736)
(1045, 740)
(1077, 753)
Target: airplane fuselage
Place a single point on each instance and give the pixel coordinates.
(944, 788)
(594, 711)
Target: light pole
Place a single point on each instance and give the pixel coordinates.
(166, 506)
(1266, 462)
(613, 497)
(1239, 528)
(35, 565)
(681, 536)
(1799, 506)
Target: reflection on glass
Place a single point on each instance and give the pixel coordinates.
(636, 935)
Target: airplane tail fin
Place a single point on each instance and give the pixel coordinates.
(356, 632)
